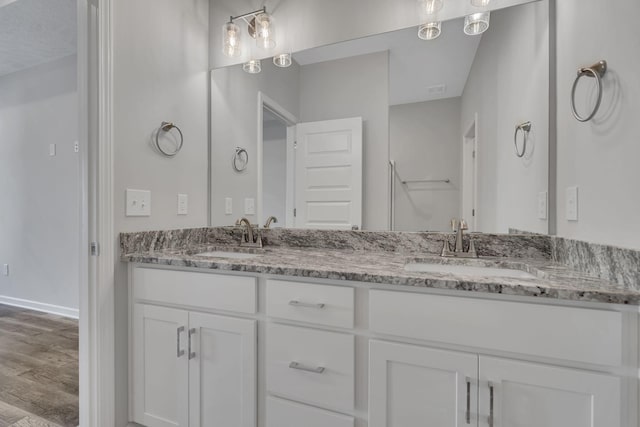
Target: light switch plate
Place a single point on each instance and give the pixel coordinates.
(542, 205)
(52, 150)
(228, 206)
(138, 203)
(183, 204)
(250, 206)
(572, 203)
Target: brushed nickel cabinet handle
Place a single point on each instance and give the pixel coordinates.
(192, 354)
(301, 367)
(179, 351)
(468, 412)
(306, 304)
(490, 404)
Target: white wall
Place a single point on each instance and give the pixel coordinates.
(234, 123)
(356, 87)
(424, 141)
(600, 157)
(508, 85)
(39, 213)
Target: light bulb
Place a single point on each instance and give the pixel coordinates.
(431, 7)
(430, 30)
(254, 66)
(480, 3)
(265, 31)
(230, 40)
(283, 60)
(476, 23)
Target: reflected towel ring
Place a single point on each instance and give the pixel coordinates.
(525, 128)
(240, 159)
(597, 71)
(166, 127)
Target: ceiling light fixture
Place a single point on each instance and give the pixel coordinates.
(476, 23)
(283, 60)
(430, 30)
(480, 3)
(431, 7)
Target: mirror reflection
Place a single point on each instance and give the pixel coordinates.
(397, 131)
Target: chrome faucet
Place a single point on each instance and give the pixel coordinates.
(271, 219)
(458, 226)
(249, 239)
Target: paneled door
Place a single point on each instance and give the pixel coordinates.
(521, 394)
(328, 174)
(222, 371)
(160, 366)
(411, 386)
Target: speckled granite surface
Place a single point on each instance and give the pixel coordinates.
(379, 258)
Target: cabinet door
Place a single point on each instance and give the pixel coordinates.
(412, 386)
(160, 366)
(520, 394)
(222, 371)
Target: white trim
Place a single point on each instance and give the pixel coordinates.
(289, 119)
(40, 306)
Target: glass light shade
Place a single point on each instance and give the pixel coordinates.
(430, 30)
(254, 66)
(265, 31)
(480, 3)
(476, 23)
(283, 60)
(431, 7)
(230, 40)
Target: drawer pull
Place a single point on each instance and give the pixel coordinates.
(467, 414)
(306, 304)
(300, 367)
(192, 354)
(179, 350)
(490, 404)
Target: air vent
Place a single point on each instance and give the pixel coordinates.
(437, 89)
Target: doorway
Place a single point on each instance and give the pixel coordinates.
(470, 175)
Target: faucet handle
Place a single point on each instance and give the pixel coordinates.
(454, 224)
(463, 225)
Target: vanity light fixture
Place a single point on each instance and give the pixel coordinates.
(430, 30)
(259, 26)
(231, 40)
(254, 66)
(283, 60)
(431, 7)
(480, 3)
(264, 31)
(476, 23)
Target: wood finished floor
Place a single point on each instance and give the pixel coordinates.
(38, 369)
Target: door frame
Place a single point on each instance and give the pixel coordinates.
(291, 120)
(471, 129)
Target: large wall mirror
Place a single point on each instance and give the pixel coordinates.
(402, 130)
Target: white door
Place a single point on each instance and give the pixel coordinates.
(222, 371)
(520, 394)
(469, 176)
(411, 386)
(328, 176)
(160, 366)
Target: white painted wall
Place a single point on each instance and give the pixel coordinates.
(356, 87)
(424, 141)
(39, 213)
(508, 85)
(600, 157)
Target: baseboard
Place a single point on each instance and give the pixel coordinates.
(73, 313)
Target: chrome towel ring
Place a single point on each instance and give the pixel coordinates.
(166, 127)
(525, 128)
(597, 71)
(240, 159)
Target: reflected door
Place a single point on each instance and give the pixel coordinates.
(328, 174)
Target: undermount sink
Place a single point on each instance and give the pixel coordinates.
(468, 270)
(226, 254)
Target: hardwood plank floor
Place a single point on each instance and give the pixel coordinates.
(38, 369)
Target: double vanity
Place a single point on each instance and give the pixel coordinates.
(355, 329)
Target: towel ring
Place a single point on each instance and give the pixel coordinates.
(597, 71)
(166, 127)
(525, 128)
(240, 159)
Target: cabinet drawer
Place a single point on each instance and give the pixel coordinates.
(312, 366)
(304, 302)
(577, 334)
(284, 413)
(212, 291)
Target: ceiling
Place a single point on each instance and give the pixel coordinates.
(417, 68)
(33, 32)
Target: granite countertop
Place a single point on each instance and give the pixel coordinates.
(552, 280)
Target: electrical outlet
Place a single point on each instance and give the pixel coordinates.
(183, 204)
(250, 206)
(52, 150)
(76, 147)
(5, 269)
(572, 203)
(228, 206)
(138, 203)
(542, 205)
